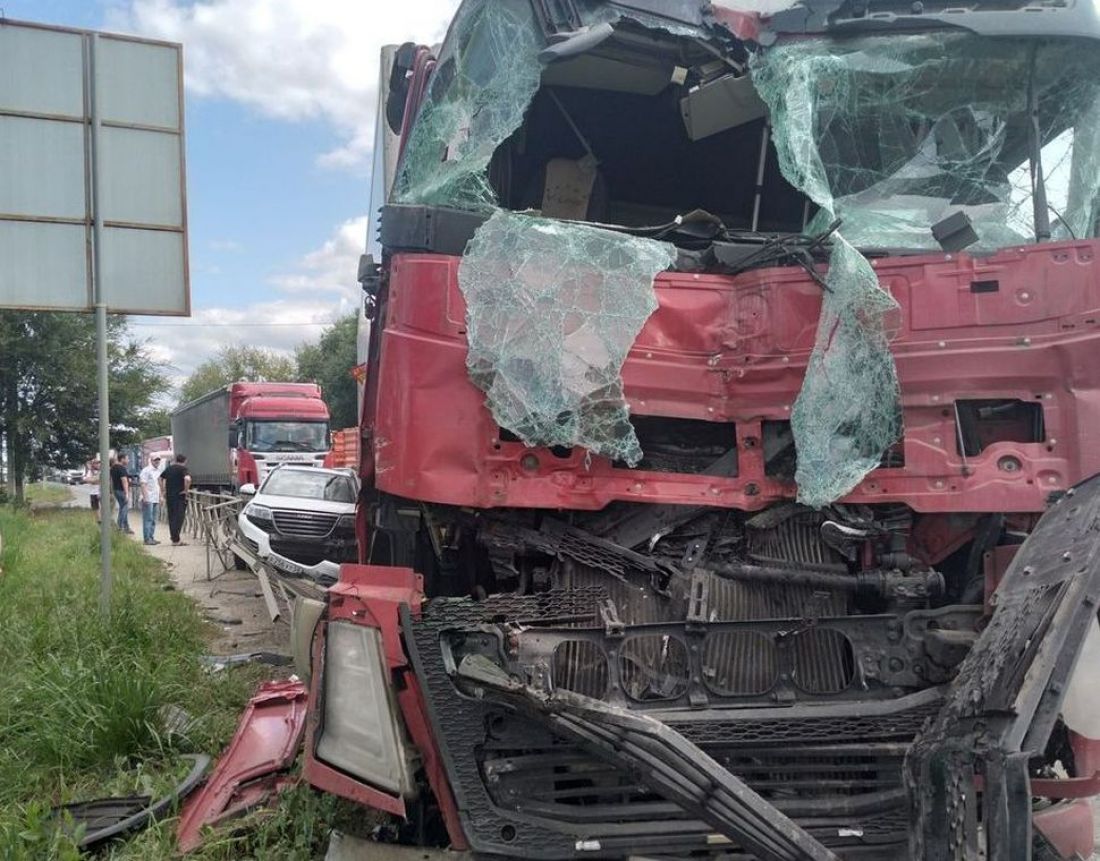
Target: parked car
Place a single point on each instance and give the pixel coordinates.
(302, 520)
(74, 476)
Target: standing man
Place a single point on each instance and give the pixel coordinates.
(120, 487)
(175, 481)
(150, 499)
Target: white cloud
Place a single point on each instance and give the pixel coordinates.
(225, 245)
(292, 59)
(332, 267)
(320, 288)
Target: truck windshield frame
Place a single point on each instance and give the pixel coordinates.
(285, 436)
(907, 129)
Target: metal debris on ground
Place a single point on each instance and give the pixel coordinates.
(345, 847)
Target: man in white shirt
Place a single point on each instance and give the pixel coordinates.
(150, 499)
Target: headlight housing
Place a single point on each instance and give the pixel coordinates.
(346, 521)
(260, 515)
(362, 733)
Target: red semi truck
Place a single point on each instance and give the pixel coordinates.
(729, 437)
(233, 436)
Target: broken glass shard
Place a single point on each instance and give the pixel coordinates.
(552, 309)
(486, 76)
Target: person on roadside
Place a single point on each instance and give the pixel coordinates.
(120, 487)
(150, 499)
(175, 481)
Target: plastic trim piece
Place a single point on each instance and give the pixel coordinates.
(87, 812)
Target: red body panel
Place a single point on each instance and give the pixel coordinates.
(303, 409)
(734, 349)
(240, 393)
(254, 765)
(1068, 827)
(373, 595)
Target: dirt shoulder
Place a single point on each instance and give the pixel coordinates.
(231, 600)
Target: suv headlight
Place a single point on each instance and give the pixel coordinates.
(361, 733)
(256, 513)
(346, 521)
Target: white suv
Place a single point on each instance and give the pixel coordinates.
(302, 520)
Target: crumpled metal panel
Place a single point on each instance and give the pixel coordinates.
(552, 311)
(486, 76)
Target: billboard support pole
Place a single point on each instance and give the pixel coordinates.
(102, 379)
(104, 459)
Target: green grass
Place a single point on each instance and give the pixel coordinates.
(83, 696)
(47, 493)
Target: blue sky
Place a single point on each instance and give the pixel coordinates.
(280, 102)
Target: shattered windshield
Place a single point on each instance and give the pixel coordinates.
(487, 73)
(900, 132)
(553, 310)
(889, 136)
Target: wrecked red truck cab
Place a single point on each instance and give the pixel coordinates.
(729, 437)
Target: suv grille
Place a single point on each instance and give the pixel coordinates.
(304, 524)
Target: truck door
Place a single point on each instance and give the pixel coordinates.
(402, 83)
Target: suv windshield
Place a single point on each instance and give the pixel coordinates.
(310, 485)
(287, 436)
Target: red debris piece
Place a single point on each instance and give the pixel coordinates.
(253, 767)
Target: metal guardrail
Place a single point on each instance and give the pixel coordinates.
(212, 519)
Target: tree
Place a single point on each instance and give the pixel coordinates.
(48, 404)
(252, 364)
(157, 422)
(330, 362)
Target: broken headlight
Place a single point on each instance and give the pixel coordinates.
(362, 734)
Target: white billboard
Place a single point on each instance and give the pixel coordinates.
(91, 120)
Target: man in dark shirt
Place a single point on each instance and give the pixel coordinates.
(120, 486)
(175, 481)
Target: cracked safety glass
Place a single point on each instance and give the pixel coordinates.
(552, 311)
(487, 74)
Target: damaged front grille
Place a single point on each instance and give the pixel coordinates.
(523, 790)
(754, 640)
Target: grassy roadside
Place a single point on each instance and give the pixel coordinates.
(47, 493)
(82, 711)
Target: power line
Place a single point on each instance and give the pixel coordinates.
(234, 325)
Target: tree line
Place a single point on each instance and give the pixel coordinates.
(48, 406)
